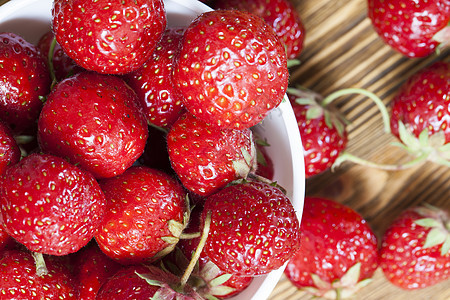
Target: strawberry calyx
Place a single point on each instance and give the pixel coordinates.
(341, 288)
(176, 229)
(438, 222)
(168, 285)
(317, 109)
(443, 38)
(248, 163)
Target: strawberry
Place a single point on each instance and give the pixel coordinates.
(281, 15)
(145, 282)
(113, 37)
(231, 69)
(61, 64)
(415, 250)
(420, 114)
(145, 215)
(207, 278)
(254, 228)
(49, 205)
(5, 239)
(92, 269)
(338, 251)
(205, 157)
(154, 85)
(323, 133)
(93, 121)
(413, 28)
(19, 278)
(24, 78)
(9, 150)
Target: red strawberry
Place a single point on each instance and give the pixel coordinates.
(206, 278)
(338, 250)
(253, 230)
(62, 65)
(9, 150)
(231, 69)
(94, 121)
(144, 217)
(5, 239)
(281, 15)
(49, 205)
(420, 114)
(19, 278)
(415, 251)
(206, 158)
(23, 80)
(323, 134)
(113, 37)
(154, 85)
(145, 282)
(413, 28)
(92, 269)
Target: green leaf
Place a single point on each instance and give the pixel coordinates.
(220, 280)
(446, 246)
(314, 112)
(435, 237)
(428, 222)
(351, 277)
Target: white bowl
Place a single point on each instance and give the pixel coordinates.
(32, 18)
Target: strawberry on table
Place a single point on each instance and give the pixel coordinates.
(338, 250)
(281, 15)
(24, 78)
(145, 215)
(207, 158)
(254, 228)
(231, 69)
(19, 279)
(323, 133)
(154, 85)
(95, 122)
(413, 28)
(112, 37)
(415, 250)
(420, 113)
(49, 205)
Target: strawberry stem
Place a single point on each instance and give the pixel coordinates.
(345, 156)
(39, 261)
(50, 63)
(198, 251)
(383, 110)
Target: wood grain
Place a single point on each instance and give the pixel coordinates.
(342, 51)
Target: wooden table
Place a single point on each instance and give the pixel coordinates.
(341, 51)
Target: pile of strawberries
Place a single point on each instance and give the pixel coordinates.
(130, 169)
